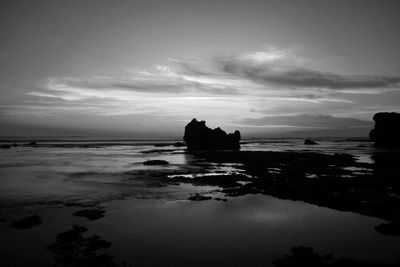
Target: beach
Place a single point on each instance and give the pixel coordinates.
(199, 209)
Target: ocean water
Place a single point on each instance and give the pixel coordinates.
(78, 170)
(155, 225)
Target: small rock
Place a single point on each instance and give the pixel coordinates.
(156, 162)
(198, 197)
(161, 145)
(310, 142)
(392, 229)
(91, 214)
(27, 222)
(179, 144)
(5, 146)
(73, 235)
(33, 143)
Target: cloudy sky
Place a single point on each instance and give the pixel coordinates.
(143, 69)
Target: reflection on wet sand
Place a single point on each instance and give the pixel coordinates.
(105, 205)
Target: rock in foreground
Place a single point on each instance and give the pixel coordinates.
(199, 137)
(387, 129)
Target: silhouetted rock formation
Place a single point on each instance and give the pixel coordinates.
(310, 142)
(156, 162)
(387, 129)
(179, 144)
(199, 137)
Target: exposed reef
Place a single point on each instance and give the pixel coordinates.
(72, 248)
(336, 181)
(199, 137)
(386, 132)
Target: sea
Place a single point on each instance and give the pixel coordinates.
(150, 224)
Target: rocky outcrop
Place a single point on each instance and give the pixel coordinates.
(310, 142)
(156, 162)
(199, 137)
(387, 129)
(179, 144)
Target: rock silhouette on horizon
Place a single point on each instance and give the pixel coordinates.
(156, 162)
(199, 137)
(310, 142)
(387, 129)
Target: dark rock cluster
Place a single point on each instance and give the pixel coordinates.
(370, 189)
(199, 137)
(387, 129)
(72, 248)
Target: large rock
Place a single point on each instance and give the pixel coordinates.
(387, 129)
(199, 137)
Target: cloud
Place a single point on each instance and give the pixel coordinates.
(271, 74)
(273, 88)
(134, 84)
(274, 67)
(305, 121)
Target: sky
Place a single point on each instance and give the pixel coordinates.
(144, 69)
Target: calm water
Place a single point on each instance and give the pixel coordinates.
(156, 225)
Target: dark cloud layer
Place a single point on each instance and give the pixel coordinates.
(307, 121)
(276, 73)
(136, 85)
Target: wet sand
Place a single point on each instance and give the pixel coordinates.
(110, 209)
